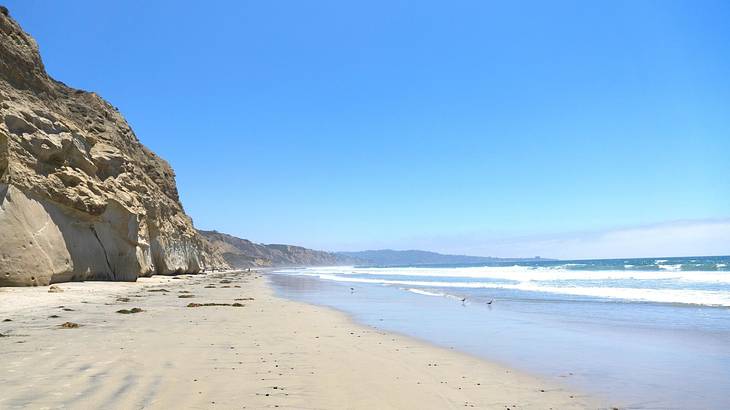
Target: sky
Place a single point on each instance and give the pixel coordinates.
(565, 129)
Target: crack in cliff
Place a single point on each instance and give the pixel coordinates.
(106, 255)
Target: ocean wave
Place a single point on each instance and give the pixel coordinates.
(434, 294)
(425, 292)
(680, 296)
(526, 274)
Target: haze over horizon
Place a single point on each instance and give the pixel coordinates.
(599, 132)
(672, 239)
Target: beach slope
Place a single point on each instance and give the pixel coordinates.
(255, 350)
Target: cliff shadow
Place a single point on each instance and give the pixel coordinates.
(99, 249)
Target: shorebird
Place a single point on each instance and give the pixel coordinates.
(463, 302)
(490, 302)
(352, 290)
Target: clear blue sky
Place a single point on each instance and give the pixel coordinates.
(458, 126)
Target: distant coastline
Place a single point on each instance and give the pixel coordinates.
(420, 257)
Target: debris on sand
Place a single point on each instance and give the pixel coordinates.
(122, 299)
(130, 311)
(158, 290)
(70, 325)
(186, 296)
(55, 289)
(194, 305)
(8, 320)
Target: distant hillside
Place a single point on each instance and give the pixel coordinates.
(242, 253)
(415, 257)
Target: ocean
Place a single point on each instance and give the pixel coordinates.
(647, 333)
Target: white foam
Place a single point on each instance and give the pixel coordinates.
(673, 268)
(425, 293)
(525, 273)
(696, 297)
(543, 279)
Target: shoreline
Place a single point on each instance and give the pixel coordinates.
(269, 352)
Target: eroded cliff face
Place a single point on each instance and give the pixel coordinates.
(80, 197)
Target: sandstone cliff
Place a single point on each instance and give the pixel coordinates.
(242, 253)
(80, 197)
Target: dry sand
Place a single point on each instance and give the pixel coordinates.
(268, 353)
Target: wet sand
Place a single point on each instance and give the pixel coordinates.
(252, 350)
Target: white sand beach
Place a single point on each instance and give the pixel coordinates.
(267, 353)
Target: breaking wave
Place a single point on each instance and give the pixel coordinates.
(667, 282)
